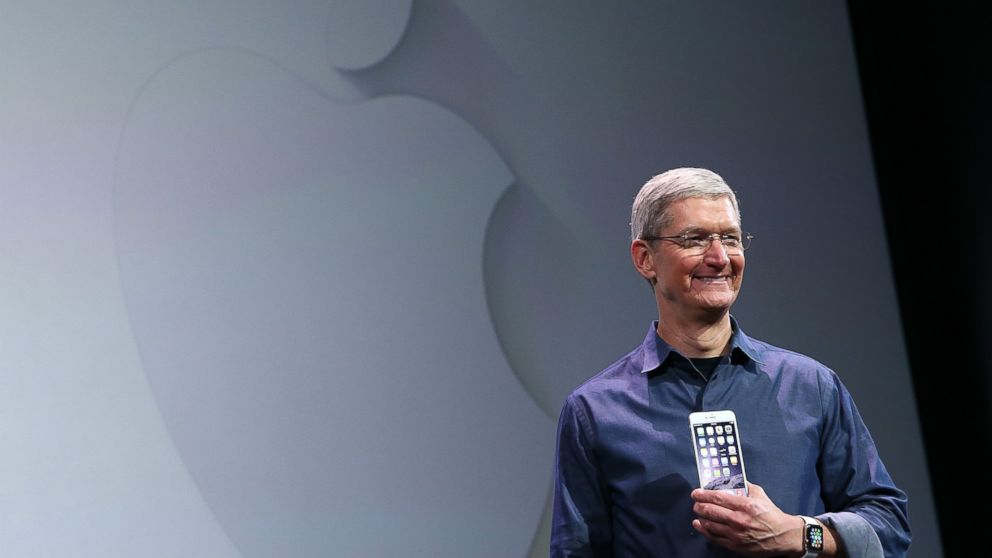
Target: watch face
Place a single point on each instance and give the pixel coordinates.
(814, 537)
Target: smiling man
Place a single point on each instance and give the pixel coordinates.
(625, 475)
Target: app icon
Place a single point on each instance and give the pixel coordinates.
(719, 429)
(709, 430)
(719, 440)
(732, 450)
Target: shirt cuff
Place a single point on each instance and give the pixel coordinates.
(856, 534)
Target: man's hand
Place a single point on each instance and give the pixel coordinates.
(750, 525)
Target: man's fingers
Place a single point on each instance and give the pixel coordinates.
(720, 534)
(712, 512)
(720, 498)
(728, 520)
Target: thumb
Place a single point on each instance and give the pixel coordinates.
(756, 490)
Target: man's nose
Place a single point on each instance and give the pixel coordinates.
(716, 252)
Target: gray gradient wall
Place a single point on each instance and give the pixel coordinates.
(313, 278)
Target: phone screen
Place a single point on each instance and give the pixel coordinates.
(718, 456)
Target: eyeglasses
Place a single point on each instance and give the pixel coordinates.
(696, 244)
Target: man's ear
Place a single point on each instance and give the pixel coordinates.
(643, 258)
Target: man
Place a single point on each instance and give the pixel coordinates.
(625, 470)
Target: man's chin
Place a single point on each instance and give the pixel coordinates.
(717, 305)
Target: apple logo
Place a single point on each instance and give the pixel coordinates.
(304, 280)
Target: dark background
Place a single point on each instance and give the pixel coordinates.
(926, 84)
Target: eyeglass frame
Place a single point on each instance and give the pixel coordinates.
(682, 239)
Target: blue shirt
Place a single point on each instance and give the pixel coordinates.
(625, 463)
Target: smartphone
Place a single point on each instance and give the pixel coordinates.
(717, 445)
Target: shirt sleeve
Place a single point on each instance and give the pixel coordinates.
(869, 513)
(857, 535)
(581, 521)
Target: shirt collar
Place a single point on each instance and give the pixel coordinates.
(656, 351)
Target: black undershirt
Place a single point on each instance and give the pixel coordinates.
(706, 366)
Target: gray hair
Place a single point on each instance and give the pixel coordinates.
(649, 214)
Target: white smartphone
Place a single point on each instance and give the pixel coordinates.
(717, 445)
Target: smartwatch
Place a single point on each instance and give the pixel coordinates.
(812, 537)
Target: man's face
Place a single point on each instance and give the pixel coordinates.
(693, 285)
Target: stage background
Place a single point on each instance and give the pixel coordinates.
(927, 84)
(314, 278)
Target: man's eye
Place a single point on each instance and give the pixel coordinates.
(696, 241)
(730, 240)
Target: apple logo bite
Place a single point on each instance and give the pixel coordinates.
(304, 283)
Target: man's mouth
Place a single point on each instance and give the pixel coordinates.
(713, 280)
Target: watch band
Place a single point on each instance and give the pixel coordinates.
(812, 537)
